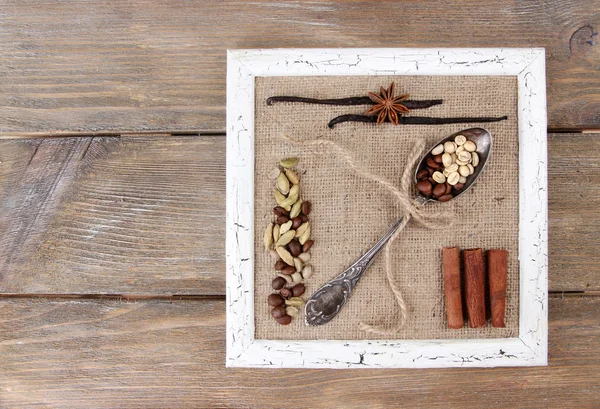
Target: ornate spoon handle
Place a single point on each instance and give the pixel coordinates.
(328, 300)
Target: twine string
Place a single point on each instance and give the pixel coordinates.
(410, 208)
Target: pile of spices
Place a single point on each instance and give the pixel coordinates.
(288, 240)
(447, 168)
(474, 284)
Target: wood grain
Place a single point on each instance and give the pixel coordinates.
(574, 212)
(60, 354)
(146, 215)
(109, 215)
(146, 65)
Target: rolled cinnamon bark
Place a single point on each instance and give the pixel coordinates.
(497, 261)
(475, 286)
(451, 263)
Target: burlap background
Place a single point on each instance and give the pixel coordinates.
(350, 212)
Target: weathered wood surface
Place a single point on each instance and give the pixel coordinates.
(64, 354)
(146, 215)
(103, 67)
(109, 215)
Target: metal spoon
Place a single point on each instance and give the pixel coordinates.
(328, 300)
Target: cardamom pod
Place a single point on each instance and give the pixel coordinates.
(294, 191)
(285, 227)
(288, 162)
(300, 231)
(295, 211)
(296, 278)
(273, 173)
(294, 302)
(304, 257)
(279, 197)
(283, 184)
(307, 271)
(292, 176)
(298, 264)
(289, 201)
(276, 232)
(268, 236)
(291, 311)
(284, 239)
(285, 255)
(305, 236)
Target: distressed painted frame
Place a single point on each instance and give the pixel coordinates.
(529, 349)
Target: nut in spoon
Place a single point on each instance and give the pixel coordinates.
(328, 300)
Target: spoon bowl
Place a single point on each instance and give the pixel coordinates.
(483, 140)
(327, 301)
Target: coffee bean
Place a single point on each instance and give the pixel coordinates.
(280, 264)
(280, 211)
(285, 320)
(430, 170)
(285, 293)
(296, 222)
(275, 299)
(445, 198)
(295, 248)
(282, 219)
(298, 290)
(289, 270)
(422, 174)
(304, 218)
(424, 187)
(278, 311)
(438, 158)
(439, 190)
(433, 164)
(431, 180)
(307, 245)
(459, 186)
(448, 189)
(278, 283)
(306, 208)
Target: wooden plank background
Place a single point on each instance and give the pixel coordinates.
(104, 232)
(171, 354)
(98, 66)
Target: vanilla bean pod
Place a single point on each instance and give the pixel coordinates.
(414, 120)
(351, 101)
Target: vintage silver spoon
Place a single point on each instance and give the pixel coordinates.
(328, 300)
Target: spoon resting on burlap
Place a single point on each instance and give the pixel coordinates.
(328, 300)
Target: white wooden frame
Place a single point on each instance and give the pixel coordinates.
(529, 349)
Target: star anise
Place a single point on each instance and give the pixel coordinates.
(387, 105)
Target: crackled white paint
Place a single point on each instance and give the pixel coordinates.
(530, 348)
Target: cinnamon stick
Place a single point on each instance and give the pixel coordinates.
(497, 260)
(451, 264)
(475, 286)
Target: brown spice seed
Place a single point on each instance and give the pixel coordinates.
(424, 187)
(458, 186)
(285, 293)
(438, 158)
(282, 219)
(278, 283)
(433, 164)
(307, 245)
(445, 198)
(285, 320)
(280, 264)
(280, 211)
(298, 290)
(448, 188)
(306, 208)
(289, 270)
(275, 299)
(439, 190)
(278, 311)
(296, 222)
(295, 248)
(304, 218)
(422, 174)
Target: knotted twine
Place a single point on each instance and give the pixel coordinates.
(410, 209)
